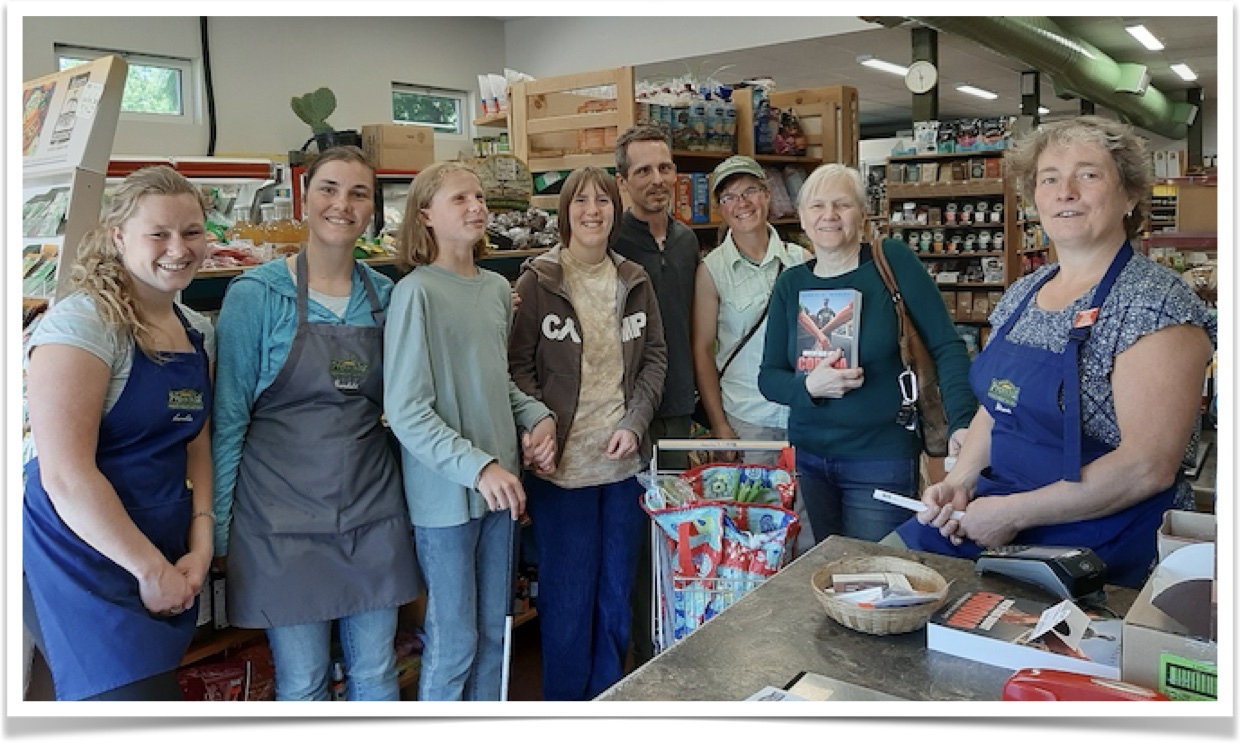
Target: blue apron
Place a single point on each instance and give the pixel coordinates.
(91, 624)
(1035, 442)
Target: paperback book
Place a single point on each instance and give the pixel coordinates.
(829, 319)
(1020, 633)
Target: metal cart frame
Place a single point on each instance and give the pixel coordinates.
(695, 593)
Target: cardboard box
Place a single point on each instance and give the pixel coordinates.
(409, 147)
(1182, 528)
(949, 299)
(1160, 653)
(981, 306)
(964, 304)
(682, 204)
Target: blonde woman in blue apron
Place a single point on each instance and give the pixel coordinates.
(1091, 383)
(115, 545)
(312, 524)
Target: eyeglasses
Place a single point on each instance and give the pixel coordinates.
(748, 195)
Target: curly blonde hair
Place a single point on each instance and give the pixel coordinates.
(415, 243)
(1126, 148)
(99, 270)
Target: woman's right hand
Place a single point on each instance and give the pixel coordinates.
(825, 381)
(166, 592)
(943, 499)
(502, 490)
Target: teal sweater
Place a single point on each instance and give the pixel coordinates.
(861, 425)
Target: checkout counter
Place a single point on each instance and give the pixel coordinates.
(780, 629)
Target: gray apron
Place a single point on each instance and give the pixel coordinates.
(320, 528)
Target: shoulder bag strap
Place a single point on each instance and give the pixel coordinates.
(902, 319)
(753, 329)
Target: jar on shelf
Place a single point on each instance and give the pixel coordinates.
(981, 212)
(937, 241)
(966, 214)
(970, 242)
(983, 240)
(949, 214)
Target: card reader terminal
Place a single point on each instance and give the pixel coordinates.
(1066, 572)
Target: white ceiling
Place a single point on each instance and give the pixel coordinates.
(885, 104)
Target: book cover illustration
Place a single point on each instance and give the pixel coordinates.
(828, 319)
(1020, 633)
(36, 101)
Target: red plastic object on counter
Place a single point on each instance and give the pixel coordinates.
(1053, 684)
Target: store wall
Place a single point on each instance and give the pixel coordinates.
(259, 63)
(555, 46)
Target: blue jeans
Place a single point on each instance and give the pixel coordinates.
(839, 494)
(301, 655)
(468, 594)
(587, 542)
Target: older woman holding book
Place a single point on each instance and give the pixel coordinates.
(1091, 383)
(845, 414)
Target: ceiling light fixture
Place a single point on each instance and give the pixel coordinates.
(878, 64)
(979, 92)
(1143, 35)
(1184, 71)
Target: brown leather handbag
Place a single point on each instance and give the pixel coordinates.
(923, 409)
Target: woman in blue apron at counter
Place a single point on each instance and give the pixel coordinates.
(115, 544)
(1091, 384)
(312, 523)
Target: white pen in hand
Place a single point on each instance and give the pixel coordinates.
(907, 503)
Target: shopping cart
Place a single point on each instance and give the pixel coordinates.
(717, 531)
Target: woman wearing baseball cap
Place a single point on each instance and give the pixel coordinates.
(733, 286)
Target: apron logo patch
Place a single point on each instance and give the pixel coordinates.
(347, 374)
(186, 399)
(1004, 393)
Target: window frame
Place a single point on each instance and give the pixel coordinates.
(464, 118)
(187, 68)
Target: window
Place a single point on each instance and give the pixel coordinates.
(444, 110)
(154, 86)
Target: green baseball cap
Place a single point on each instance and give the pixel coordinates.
(737, 165)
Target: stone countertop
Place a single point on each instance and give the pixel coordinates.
(780, 629)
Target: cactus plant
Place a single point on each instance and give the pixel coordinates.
(313, 108)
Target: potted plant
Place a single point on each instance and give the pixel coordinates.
(313, 108)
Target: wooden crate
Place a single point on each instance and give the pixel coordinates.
(829, 116)
(559, 124)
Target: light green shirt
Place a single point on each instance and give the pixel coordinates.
(446, 390)
(744, 289)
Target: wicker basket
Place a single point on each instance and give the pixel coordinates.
(883, 620)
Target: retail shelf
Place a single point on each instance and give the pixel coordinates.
(971, 285)
(960, 255)
(492, 120)
(946, 189)
(944, 156)
(945, 226)
(219, 641)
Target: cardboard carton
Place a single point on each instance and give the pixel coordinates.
(408, 147)
(1162, 654)
(1182, 528)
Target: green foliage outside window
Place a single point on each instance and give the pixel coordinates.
(443, 112)
(148, 89)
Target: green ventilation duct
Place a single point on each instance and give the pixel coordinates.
(1077, 68)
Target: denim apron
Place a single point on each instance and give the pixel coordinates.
(1035, 442)
(92, 626)
(320, 528)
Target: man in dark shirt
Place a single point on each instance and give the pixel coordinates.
(668, 251)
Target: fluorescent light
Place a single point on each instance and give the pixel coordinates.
(883, 65)
(1143, 35)
(1043, 111)
(979, 92)
(1184, 71)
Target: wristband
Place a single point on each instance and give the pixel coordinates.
(206, 514)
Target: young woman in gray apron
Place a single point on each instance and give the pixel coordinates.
(115, 545)
(319, 527)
